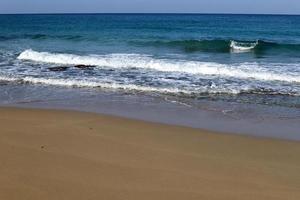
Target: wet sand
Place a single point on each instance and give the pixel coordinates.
(48, 154)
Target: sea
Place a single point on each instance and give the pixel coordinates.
(169, 68)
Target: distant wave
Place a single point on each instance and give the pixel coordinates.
(241, 71)
(41, 37)
(243, 46)
(221, 46)
(188, 45)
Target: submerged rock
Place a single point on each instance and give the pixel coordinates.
(84, 66)
(58, 69)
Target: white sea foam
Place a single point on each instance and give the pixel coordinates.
(111, 85)
(90, 83)
(242, 46)
(241, 71)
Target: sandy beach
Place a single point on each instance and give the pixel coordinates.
(47, 154)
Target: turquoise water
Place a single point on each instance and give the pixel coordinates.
(244, 58)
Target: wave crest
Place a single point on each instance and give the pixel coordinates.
(240, 71)
(223, 46)
(40, 36)
(242, 46)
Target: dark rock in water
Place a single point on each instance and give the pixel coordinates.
(58, 69)
(4, 83)
(84, 66)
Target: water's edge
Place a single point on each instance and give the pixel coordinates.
(225, 117)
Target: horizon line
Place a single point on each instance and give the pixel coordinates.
(145, 13)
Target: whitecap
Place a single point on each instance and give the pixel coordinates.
(240, 71)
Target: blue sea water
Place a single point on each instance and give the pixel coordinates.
(239, 58)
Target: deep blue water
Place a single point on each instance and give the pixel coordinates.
(245, 58)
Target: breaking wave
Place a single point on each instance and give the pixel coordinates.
(239, 71)
(222, 46)
(242, 46)
(188, 45)
(204, 90)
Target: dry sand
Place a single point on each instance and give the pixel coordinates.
(61, 155)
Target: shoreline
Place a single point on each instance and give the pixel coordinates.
(220, 116)
(146, 121)
(52, 154)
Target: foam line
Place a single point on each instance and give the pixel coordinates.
(242, 71)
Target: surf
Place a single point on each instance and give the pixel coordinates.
(242, 46)
(146, 62)
(212, 89)
(257, 46)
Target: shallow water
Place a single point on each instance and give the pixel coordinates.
(225, 117)
(183, 55)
